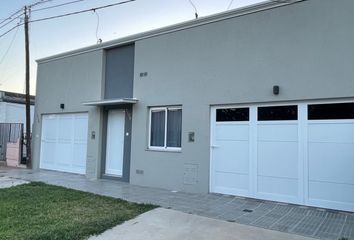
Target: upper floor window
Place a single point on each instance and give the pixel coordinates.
(165, 128)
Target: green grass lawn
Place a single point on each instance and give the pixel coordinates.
(40, 211)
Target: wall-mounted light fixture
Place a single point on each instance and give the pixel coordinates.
(62, 105)
(276, 90)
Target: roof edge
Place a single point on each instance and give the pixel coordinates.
(238, 12)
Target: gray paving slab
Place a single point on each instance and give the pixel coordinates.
(310, 223)
(288, 221)
(288, 218)
(331, 227)
(348, 228)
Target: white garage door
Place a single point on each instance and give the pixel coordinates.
(64, 142)
(296, 153)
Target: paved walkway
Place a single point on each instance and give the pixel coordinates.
(6, 182)
(167, 224)
(300, 220)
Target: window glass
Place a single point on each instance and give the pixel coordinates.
(331, 111)
(277, 113)
(232, 114)
(174, 127)
(165, 128)
(157, 128)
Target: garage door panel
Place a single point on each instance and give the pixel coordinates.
(231, 183)
(331, 162)
(48, 153)
(80, 155)
(80, 134)
(278, 132)
(50, 132)
(232, 157)
(277, 186)
(226, 132)
(334, 132)
(64, 142)
(65, 152)
(65, 128)
(341, 193)
(278, 159)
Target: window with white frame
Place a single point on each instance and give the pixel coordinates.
(165, 128)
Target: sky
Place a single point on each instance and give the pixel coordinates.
(64, 34)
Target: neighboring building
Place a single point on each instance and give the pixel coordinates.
(255, 102)
(13, 107)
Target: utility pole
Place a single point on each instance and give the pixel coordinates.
(28, 100)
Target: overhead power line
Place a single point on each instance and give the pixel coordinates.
(11, 20)
(82, 11)
(5, 54)
(11, 29)
(39, 3)
(58, 5)
(11, 16)
(67, 14)
(230, 4)
(99, 40)
(8, 49)
(195, 8)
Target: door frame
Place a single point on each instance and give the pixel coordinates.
(128, 109)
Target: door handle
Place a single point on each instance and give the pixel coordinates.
(214, 146)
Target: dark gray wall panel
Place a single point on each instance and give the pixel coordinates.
(119, 72)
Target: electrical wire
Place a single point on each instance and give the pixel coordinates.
(230, 4)
(58, 5)
(21, 9)
(39, 3)
(5, 54)
(97, 26)
(82, 11)
(13, 19)
(195, 8)
(10, 45)
(10, 17)
(67, 14)
(11, 29)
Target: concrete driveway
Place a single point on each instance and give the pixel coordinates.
(167, 224)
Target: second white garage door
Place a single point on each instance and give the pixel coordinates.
(296, 153)
(64, 142)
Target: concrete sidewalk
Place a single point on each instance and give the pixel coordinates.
(6, 182)
(166, 224)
